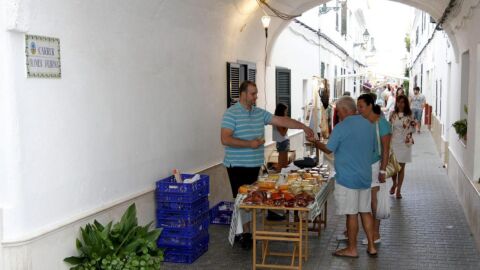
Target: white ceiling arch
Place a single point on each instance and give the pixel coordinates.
(250, 39)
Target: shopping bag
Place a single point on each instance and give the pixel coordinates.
(393, 167)
(383, 202)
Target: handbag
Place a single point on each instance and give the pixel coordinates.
(393, 167)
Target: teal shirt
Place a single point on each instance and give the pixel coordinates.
(246, 125)
(353, 142)
(384, 128)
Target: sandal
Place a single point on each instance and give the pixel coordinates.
(372, 255)
(398, 196)
(392, 190)
(340, 253)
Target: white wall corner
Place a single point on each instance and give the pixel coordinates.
(17, 14)
(1, 239)
(476, 114)
(16, 258)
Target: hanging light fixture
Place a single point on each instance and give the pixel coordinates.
(266, 23)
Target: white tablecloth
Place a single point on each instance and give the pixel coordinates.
(240, 216)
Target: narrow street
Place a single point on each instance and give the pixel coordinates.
(427, 228)
(104, 103)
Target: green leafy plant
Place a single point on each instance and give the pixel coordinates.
(122, 246)
(407, 42)
(461, 125)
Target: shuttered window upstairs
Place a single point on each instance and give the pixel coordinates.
(283, 87)
(233, 83)
(251, 73)
(344, 18)
(236, 74)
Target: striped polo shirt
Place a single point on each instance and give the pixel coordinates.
(246, 125)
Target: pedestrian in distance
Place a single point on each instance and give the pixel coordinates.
(403, 125)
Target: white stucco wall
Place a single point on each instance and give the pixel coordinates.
(298, 49)
(436, 60)
(466, 33)
(469, 37)
(292, 51)
(142, 91)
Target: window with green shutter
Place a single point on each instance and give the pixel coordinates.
(344, 18)
(236, 74)
(283, 87)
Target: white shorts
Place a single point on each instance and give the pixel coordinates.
(375, 172)
(352, 201)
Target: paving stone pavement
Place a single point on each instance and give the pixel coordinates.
(427, 229)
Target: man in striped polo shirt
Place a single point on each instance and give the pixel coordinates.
(242, 134)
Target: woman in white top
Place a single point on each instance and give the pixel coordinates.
(279, 135)
(403, 125)
(390, 107)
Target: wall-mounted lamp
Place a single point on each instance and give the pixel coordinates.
(366, 37)
(324, 9)
(266, 23)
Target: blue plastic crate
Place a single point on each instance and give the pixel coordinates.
(198, 210)
(169, 185)
(181, 197)
(183, 222)
(189, 231)
(179, 205)
(222, 213)
(182, 255)
(179, 241)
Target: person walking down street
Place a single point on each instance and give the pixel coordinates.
(242, 134)
(418, 103)
(390, 107)
(385, 93)
(399, 92)
(383, 136)
(352, 142)
(279, 135)
(380, 101)
(403, 125)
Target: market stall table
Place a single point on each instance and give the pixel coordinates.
(293, 230)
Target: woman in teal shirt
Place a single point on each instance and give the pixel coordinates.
(367, 108)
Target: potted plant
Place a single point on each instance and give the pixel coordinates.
(122, 246)
(460, 126)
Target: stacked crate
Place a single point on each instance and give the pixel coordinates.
(221, 213)
(182, 213)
